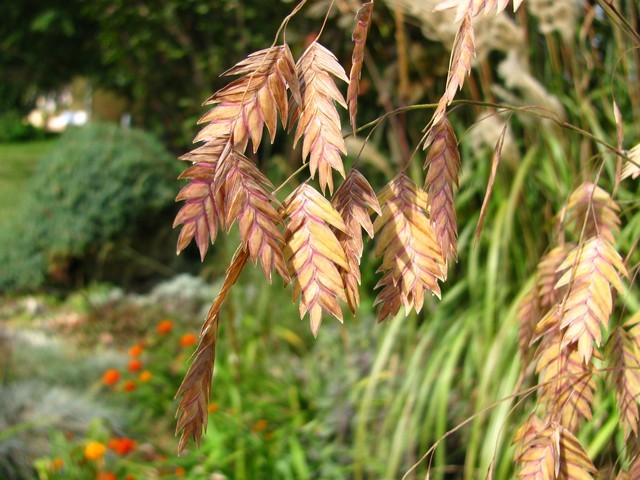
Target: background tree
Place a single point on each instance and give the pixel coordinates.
(163, 57)
(30, 27)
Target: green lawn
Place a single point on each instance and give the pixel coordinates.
(17, 162)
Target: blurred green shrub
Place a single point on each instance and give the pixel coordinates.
(13, 128)
(100, 198)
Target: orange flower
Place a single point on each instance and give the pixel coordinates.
(145, 376)
(135, 365)
(188, 339)
(129, 386)
(129, 476)
(164, 327)
(106, 476)
(213, 408)
(111, 377)
(259, 425)
(94, 450)
(136, 350)
(57, 463)
(114, 443)
(122, 446)
(179, 472)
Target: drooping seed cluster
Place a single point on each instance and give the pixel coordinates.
(565, 313)
(310, 241)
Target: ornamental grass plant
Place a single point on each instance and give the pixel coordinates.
(509, 249)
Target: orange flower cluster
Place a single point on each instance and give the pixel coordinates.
(136, 350)
(106, 476)
(259, 426)
(111, 377)
(122, 446)
(164, 327)
(135, 365)
(188, 339)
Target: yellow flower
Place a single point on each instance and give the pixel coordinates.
(145, 376)
(94, 450)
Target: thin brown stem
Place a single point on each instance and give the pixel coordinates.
(619, 19)
(324, 22)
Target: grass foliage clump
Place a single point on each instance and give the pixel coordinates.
(98, 188)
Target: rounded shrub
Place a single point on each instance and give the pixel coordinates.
(99, 206)
(13, 128)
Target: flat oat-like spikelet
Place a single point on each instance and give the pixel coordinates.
(242, 108)
(443, 164)
(353, 200)
(631, 169)
(634, 468)
(314, 254)
(623, 355)
(594, 204)
(536, 304)
(539, 458)
(547, 276)
(317, 116)
(359, 37)
(590, 270)
(529, 314)
(566, 383)
(412, 260)
(574, 461)
(248, 200)
(475, 7)
(199, 216)
(525, 433)
(195, 389)
(553, 452)
(463, 51)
